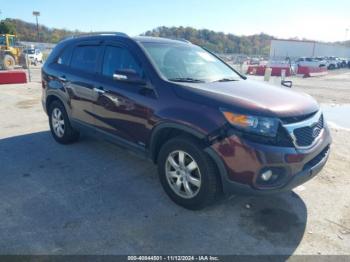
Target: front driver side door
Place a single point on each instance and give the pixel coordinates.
(123, 109)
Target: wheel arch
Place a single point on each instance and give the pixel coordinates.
(55, 97)
(165, 131)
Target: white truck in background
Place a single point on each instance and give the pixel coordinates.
(35, 56)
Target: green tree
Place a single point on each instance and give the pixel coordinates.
(217, 41)
(7, 27)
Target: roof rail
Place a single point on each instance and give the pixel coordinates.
(101, 33)
(179, 39)
(183, 40)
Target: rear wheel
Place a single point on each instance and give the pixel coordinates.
(60, 126)
(187, 174)
(9, 62)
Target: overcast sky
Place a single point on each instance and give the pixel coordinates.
(319, 20)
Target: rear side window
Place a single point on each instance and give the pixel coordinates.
(118, 58)
(85, 58)
(64, 57)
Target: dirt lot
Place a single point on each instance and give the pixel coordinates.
(93, 198)
(333, 88)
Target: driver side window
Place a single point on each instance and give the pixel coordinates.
(118, 58)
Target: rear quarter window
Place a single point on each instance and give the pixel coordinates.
(85, 58)
(65, 55)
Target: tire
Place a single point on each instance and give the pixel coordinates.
(58, 118)
(209, 189)
(9, 62)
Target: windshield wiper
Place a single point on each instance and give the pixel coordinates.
(226, 80)
(186, 79)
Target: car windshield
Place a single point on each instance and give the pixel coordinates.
(188, 63)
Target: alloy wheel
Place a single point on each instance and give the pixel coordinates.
(57, 122)
(183, 174)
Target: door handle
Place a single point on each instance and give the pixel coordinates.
(99, 90)
(62, 78)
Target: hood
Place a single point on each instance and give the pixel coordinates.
(250, 97)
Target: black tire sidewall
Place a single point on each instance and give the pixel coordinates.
(208, 177)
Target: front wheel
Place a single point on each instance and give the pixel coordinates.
(9, 62)
(60, 126)
(187, 174)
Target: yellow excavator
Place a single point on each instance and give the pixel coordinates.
(11, 54)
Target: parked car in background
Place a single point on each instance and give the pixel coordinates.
(208, 128)
(333, 62)
(35, 56)
(310, 62)
(343, 62)
(322, 60)
(254, 61)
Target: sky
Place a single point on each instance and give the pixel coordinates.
(322, 20)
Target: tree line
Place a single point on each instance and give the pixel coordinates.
(215, 41)
(218, 42)
(258, 44)
(28, 32)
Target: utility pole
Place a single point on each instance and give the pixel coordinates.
(36, 14)
(346, 33)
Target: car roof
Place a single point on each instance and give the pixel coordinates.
(110, 36)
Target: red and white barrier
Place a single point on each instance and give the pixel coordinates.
(276, 70)
(306, 71)
(13, 77)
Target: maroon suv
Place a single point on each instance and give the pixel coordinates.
(207, 127)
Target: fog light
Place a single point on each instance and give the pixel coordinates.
(271, 176)
(266, 175)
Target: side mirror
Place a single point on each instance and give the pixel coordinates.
(287, 83)
(128, 76)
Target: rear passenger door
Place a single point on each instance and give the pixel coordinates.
(123, 109)
(82, 80)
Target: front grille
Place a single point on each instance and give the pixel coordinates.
(305, 136)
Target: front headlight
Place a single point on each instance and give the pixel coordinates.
(255, 124)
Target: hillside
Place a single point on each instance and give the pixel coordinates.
(27, 31)
(215, 41)
(218, 42)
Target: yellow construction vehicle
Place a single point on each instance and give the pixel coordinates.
(11, 53)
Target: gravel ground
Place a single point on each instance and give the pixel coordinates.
(332, 88)
(93, 198)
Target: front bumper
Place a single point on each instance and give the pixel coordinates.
(240, 163)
